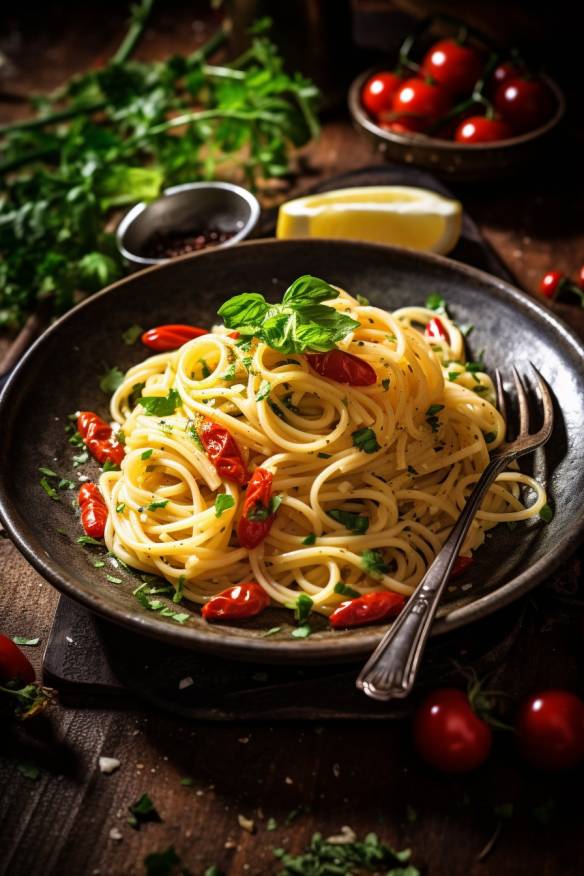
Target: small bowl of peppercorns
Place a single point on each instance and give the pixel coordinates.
(186, 219)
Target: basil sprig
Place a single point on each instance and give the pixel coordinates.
(301, 322)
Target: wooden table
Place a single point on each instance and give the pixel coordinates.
(72, 818)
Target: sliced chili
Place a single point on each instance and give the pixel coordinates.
(342, 368)
(171, 337)
(257, 516)
(223, 452)
(242, 600)
(93, 510)
(99, 439)
(380, 605)
(435, 329)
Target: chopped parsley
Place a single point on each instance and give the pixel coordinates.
(277, 410)
(24, 640)
(147, 454)
(110, 466)
(436, 302)
(154, 506)
(302, 607)
(191, 430)
(322, 455)
(136, 394)
(162, 863)
(323, 857)
(385, 383)
(131, 335)
(180, 589)
(302, 632)
(271, 632)
(88, 539)
(80, 458)
(364, 302)
(490, 437)
(120, 507)
(310, 539)
(358, 524)
(260, 512)
(365, 440)
(28, 770)
(264, 390)
(432, 418)
(161, 405)
(143, 593)
(373, 563)
(546, 513)
(113, 580)
(223, 501)
(111, 380)
(345, 590)
(49, 490)
(141, 811)
(230, 373)
(454, 375)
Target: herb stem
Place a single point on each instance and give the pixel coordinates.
(210, 47)
(140, 15)
(204, 115)
(27, 158)
(52, 118)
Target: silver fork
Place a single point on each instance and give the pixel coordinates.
(391, 670)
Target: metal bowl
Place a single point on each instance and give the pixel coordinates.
(471, 162)
(219, 205)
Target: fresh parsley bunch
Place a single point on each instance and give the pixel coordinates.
(301, 322)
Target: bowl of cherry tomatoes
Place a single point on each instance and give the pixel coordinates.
(463, 110)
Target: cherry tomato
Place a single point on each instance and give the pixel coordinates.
(423, 99)
(524, 103)
(93, 510)
(171, 337)
(405, 125)
(448, 734)
(479, 129)
(550, 729)
(454, 65)
(461, 564)
(243, 600)
(342, 368)
(550, 283)
(14, 665)
(435, 329)
(223, 452)
(98, 438)
(257, 516)
(503, 73)
(378, 92)
(380, 605)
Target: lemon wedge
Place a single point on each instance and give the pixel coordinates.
(399, 215)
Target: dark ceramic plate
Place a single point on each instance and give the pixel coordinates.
(60, 374)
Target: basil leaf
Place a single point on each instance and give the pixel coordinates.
(308, 289)
(436, 302)
(222, 503)
(245, 312)
(373, 563)
(358, 524)
(161, 406)
(310, 539)
(147, 454)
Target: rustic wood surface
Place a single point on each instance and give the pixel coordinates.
(72, 818)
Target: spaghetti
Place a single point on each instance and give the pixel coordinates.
(367, 480)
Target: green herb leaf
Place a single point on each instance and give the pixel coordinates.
(271, 824)
(302, 632)
(161, 863)
(433, 410)
(111, 380)
(346, 858)
(223, 501)
(113, 580)
(546, 513)
(48, 472)
(24, 640)
(310, 539)
(147, 454)
(49, 490)
(120, 507)
(28, 770)
(358, 524)
(322, 455)
(436, 302)
(141, 811)
(88, 539)
(131, 335)
(271, 632)
(302, 607)
(364, 302)
(264, 390)
(365, 440)
(161, 406)
(110, 466)
(345, 590)
(80, 458)
(180, 589)
(385, 384)
(373, 563)
(154, 506)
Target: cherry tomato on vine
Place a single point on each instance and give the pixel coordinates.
(448, 734)
(524, 103)
(502, 74)
(480, 129)
(342, 368)
(453, 65)
(171, 337)
(378, 92)
(421, 98)
(14, 665)
(550, 729)
(375, 607)
(550, 283)
(243, 600)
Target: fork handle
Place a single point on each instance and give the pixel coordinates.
(391, 670)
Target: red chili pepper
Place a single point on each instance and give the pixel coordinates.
(171, 337)
(256, 518)
(234, 335)
(223, 452)
(461, 564)
(98, 437)
(14, 665)
(342, 368)
(243, 600)
(93, 510)
(550, 283)
(435, 329)
(381, 605)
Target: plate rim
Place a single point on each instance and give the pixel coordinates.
(277, 650)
